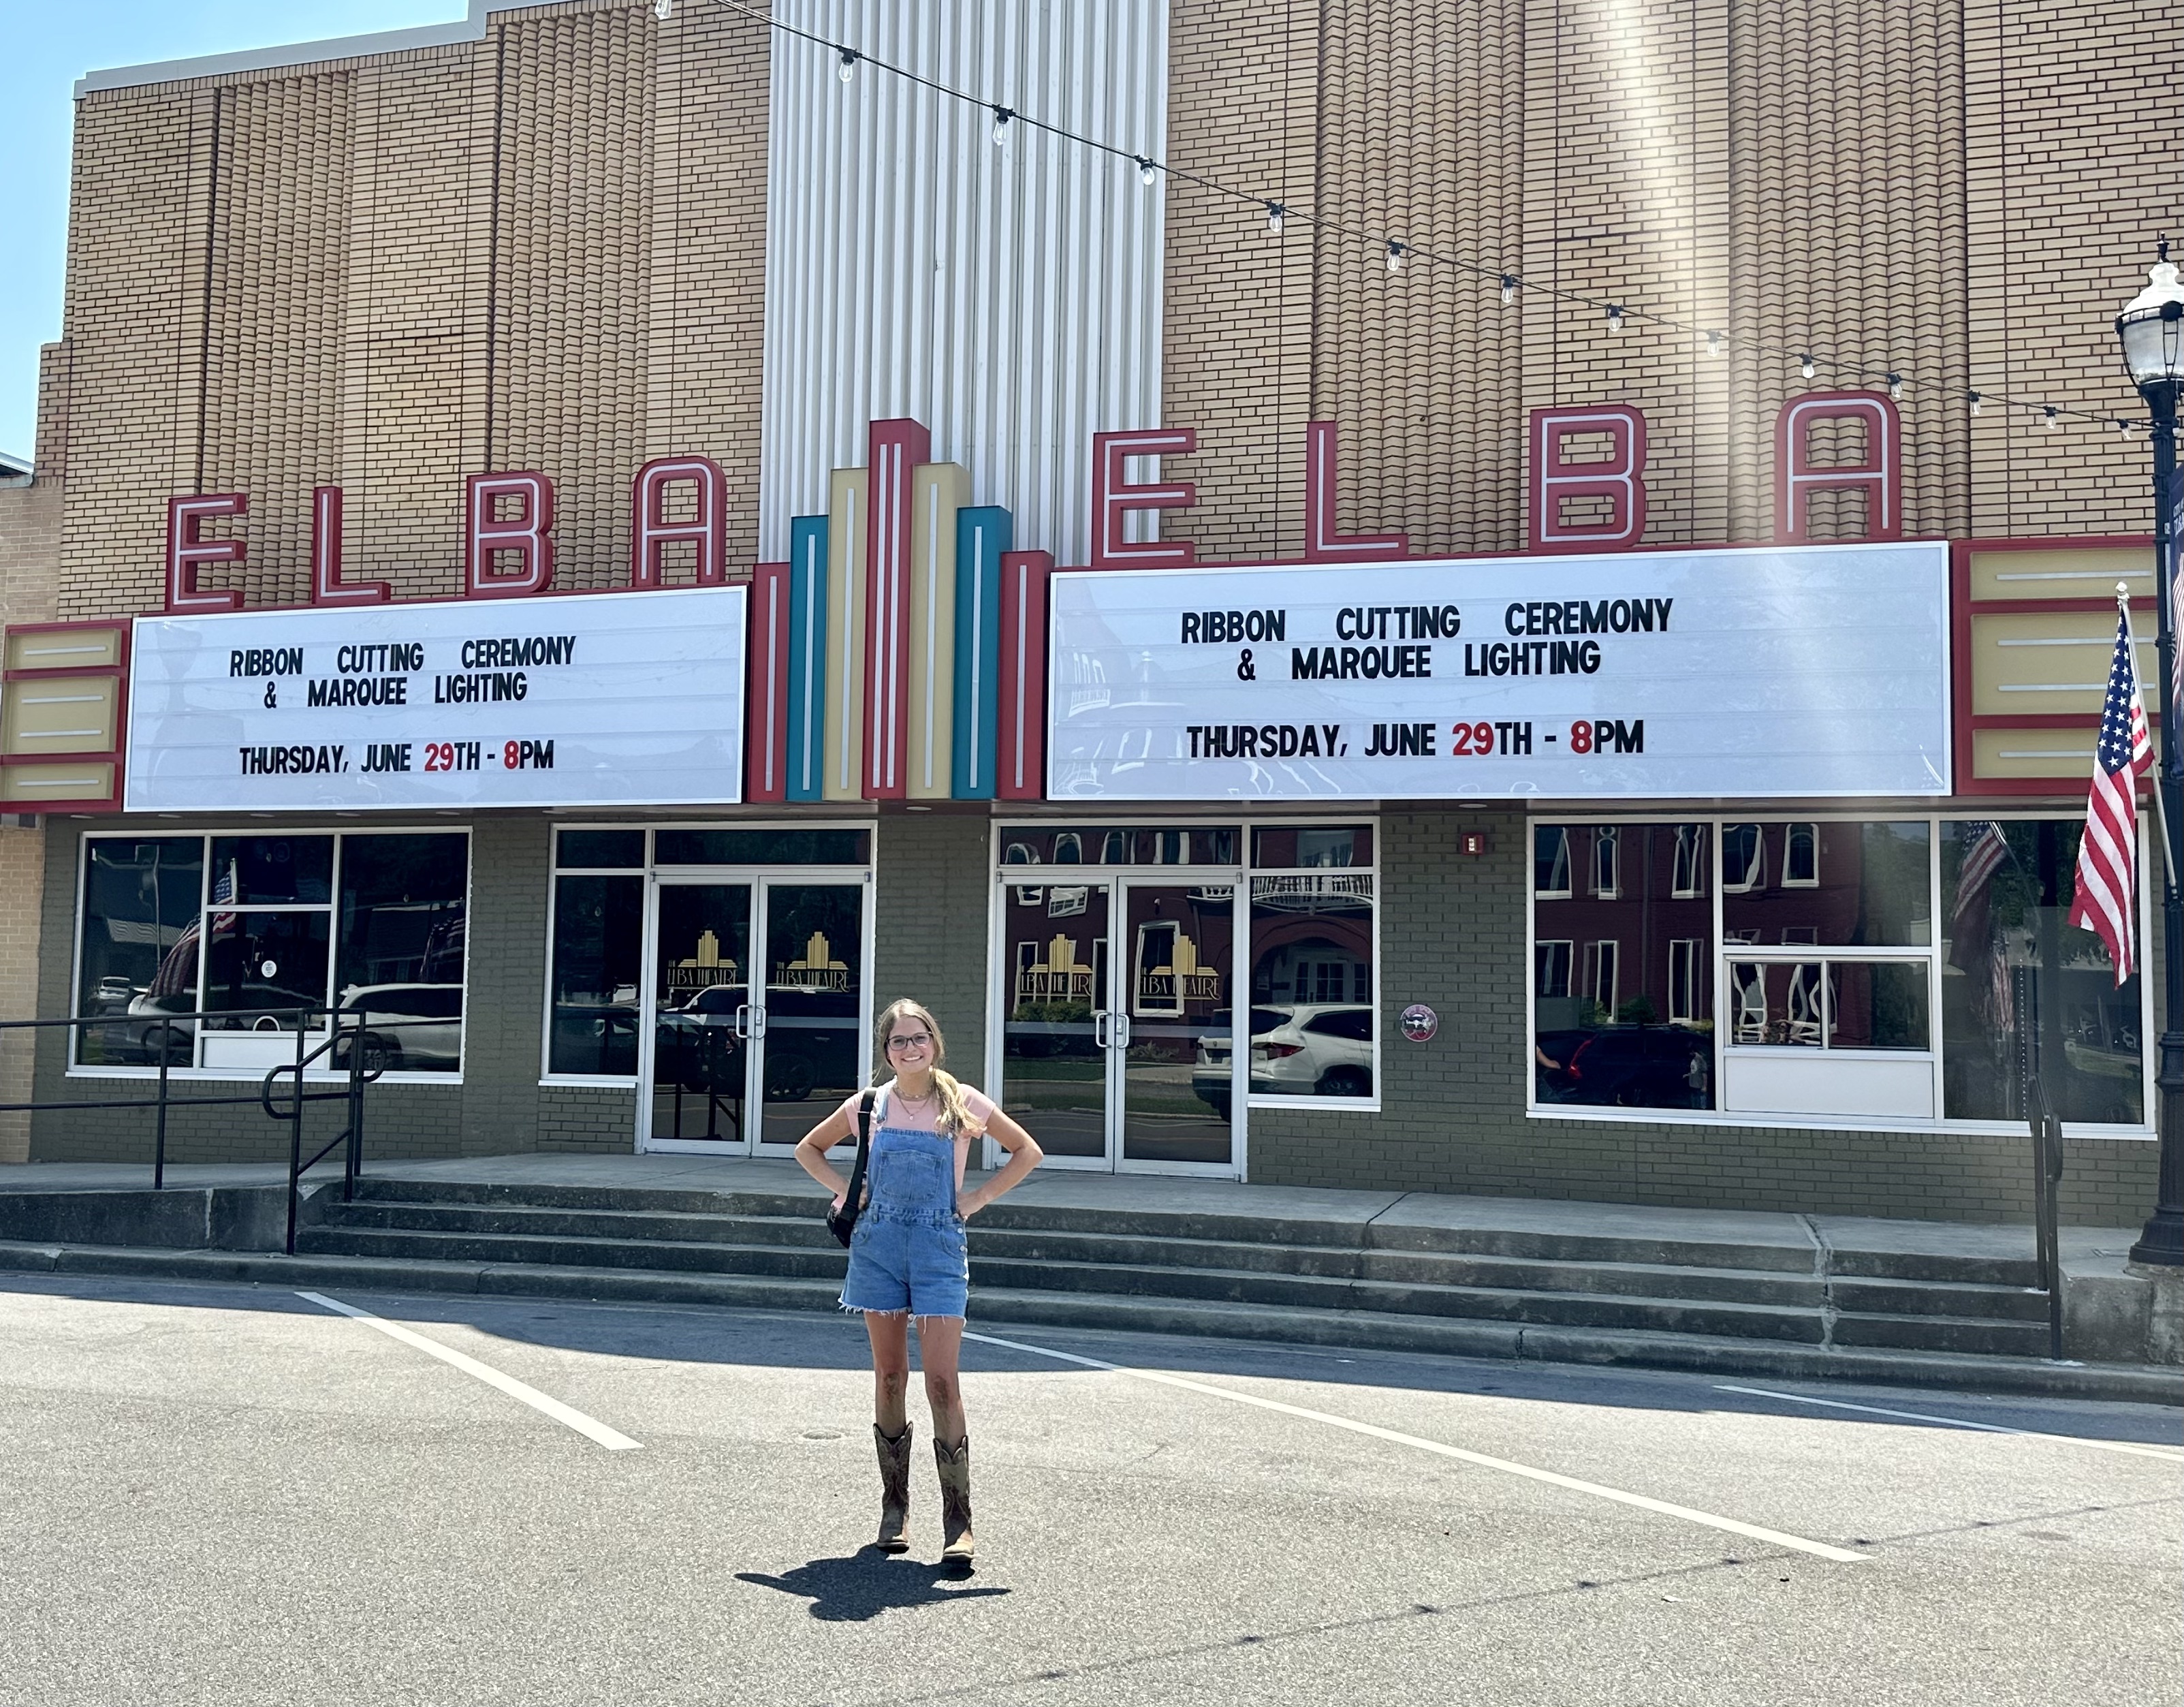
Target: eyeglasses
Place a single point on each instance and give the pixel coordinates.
(920, 1040)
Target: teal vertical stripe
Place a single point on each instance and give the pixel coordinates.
(981, 534)
(807, 656)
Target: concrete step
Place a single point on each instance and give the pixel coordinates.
(1492, 1303)
(1363, 1329)
(1045, 1246)
(1939, 1298)
(1928, 1333)
(1249, 1286)
(1967, 1269)
(693, 1255)
(1029, 1214)
(457, 1220)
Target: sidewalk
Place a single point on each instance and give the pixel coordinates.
(2086, 1247)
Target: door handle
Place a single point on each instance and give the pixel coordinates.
(1100, 1018)
(757, 1020)
(1121, 1031)
(742, 1021)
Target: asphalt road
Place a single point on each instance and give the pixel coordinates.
(228, 1494)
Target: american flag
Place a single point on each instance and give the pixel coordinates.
(2107, 853)
(2174, 498)
(1974, 946)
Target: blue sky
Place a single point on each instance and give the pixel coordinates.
(44, 47)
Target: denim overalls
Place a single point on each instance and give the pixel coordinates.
(908, 1253)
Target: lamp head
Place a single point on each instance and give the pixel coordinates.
(2151, 327)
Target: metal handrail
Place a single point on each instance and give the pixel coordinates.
(349, 1024)
(2047, 1175)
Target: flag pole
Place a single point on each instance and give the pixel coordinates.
(2160, 810)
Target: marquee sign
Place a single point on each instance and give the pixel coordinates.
(1752, 673)
(631, 699)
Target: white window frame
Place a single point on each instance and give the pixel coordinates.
(1561, 864)
(1689, 963)
(322, 1071)
(1603, 961)
(1726, 951)
(1695, 850)
(1811, 830)
(1607, 862)
(1754, 875)
(1569, 947)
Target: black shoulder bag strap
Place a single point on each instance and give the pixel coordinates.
(843, 1222)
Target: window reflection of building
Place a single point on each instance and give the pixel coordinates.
(1060, 976)
(1831, 952)
(817, 970)
(1168, 979)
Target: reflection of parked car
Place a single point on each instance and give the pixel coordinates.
(414, 1027)
(1308, 1049)
(1627, 1066)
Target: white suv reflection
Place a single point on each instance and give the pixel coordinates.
(1301, 1049)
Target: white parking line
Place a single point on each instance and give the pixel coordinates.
(2136, 1448)
(1774, 1537)
(485, 1372)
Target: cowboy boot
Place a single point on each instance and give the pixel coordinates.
(955, 1501)
(894, 1490)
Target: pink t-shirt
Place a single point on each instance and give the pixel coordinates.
(889, 1111)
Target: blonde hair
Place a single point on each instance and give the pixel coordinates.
(955, 1113)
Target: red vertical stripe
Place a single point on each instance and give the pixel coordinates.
(897, 447)
(766, 679)
(1020, 752)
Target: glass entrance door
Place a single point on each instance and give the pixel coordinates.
(700, 1059)
(758, 1023)
(1054, 1030)
(1174, 1051)
(811, 1040)
(1118, 1035)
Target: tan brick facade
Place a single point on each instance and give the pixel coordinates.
(547, 250)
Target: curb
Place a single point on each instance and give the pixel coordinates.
(1695, 1355)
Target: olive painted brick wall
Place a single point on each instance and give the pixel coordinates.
(1452, 1119)
(933, 884)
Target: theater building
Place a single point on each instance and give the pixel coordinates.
(1490, 602)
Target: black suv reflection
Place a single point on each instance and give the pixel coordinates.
(1626, 1066)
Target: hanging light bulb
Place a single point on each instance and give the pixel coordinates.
(848, 72)
(1975, 399)
(1275, 213)
(2055, 419)
(1896, 387)
(1615, 316)
(1714, 343)
(1508, 289)
(1395, 256)
(1148, 174)
(1001, 117)
(1805, 365)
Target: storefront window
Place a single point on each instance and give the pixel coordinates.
(599, 850)
(398, 960)
(599, 944)
(762, 847)
(1828, 971)
(1097, 845)
(255, 930)
(138, 950)
(1312, 985)
(1621, 1014)
(1862, 885)
(2024, 993)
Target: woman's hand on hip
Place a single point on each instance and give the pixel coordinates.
(970, 1202)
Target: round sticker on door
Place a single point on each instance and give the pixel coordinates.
(1420, 1022)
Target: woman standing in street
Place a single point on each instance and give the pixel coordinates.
(908, 1257)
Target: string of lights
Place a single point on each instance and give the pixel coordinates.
(1397, 253)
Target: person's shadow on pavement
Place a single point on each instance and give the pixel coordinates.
(866, 1583)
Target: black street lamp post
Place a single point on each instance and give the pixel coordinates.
(2152, 331)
